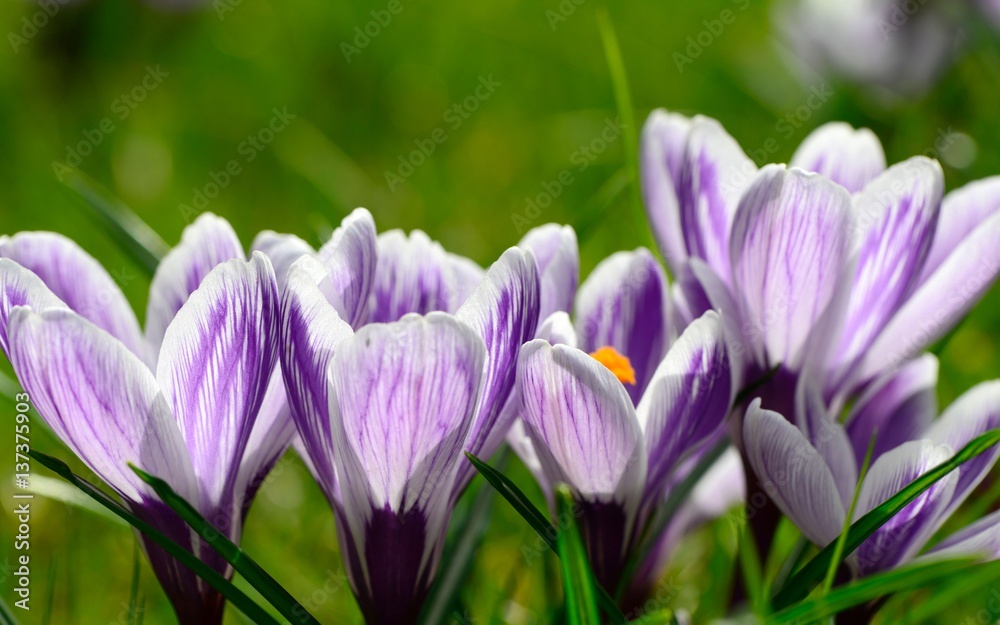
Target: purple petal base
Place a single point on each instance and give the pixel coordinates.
(607, 537)
(398, 577)
(193, 600)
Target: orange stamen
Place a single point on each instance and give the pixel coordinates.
(616, 363)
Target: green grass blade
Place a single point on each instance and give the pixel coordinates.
(578, 579)
(252, 572)
(873, 587)
(538, 522)
(50, 595)
(838, 552)
(133, 595)
(457, 558)
(236, 597)
(6, 616)
(623, 101)
(140, 241)
(753, 572)
(661, 518)
(812, 573)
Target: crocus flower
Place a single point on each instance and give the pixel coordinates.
(71, 278)
(809, 274)
(890, 46)
(190, 420)
(812, 474)
(385, 413)
(618, 458)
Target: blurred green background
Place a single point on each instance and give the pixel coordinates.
(219, 72)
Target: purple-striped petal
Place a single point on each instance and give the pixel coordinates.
(742, 340)
(687, 400)
(624, 304)
(794, 474)
(962, 212)
(899, 406)
(101, 400)
(827, 436)
(557, 330)
(904, 534)
(895, 219)
(939, 303)
(981, 539)
(790, 244)
(586, 434)
(664, 138)
(283, 250)
(78, 280)
(404, 397)
(208, 241)
(271, 436)
(413, 275)
(21, 287)
(555, 249)
(714, 174)
(582, 422)
(504, 312)
(850, 157)
(350, 258)
(310, 332)
(972, 414)
(215, 363)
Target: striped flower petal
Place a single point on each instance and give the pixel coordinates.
(624, 304)
(208, 241)
(850, 157)
(78, 280)
(215, 364)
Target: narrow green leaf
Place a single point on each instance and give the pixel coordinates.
(133, 595)
(57, 490)
(50, 595)
(578, 579)
(457, 558)
(838, 552)
(235, 596)
(868, 588)
(753, 572)
(538, 522)
(623, 101)
(6, 616)
(256, 576)
(141, 241)
(663, 515)
(812, 573)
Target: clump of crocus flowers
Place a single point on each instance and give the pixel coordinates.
(802, 301)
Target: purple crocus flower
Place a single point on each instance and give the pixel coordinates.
(812, 474)
(888, 46)
(191, 420)
(851, 272)
(619, 457)
(71, 278)
(385, 413)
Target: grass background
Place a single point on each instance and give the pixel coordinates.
(229, 65)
